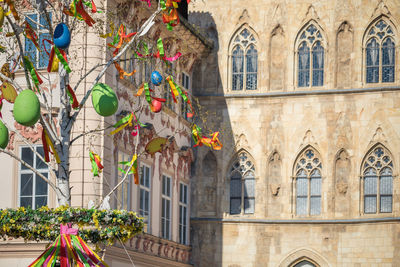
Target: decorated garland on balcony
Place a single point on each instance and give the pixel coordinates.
(95, 226)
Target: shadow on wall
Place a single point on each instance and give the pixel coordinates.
(209, 188)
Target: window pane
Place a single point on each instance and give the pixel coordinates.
(249, 185)
(386, 203)
(39, 163)
(388, 59)
(27, 156)
(251, 68)
(26, 202)
(318, 64)
(43, 57)
(315, 186)
(301, 205)
(304, 65)
(386, 186)
(372, 52)
(370, 204)
(302, 186)
(41, 186)
(236, 188)
(40, 202)
(237, 68)
(315, 205)
(249, 204)
(370, 185)
(235, 205)
(43, 20)
(26, 184)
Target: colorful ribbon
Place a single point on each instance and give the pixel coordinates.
(61, 55)
(78, 11)
(95, 160)
(47, 144)
(10, 4)
(128, 120)
(70, 249)
(133, 169)
(212, 142)
(31, 35)
(72, 98)
(34, 75)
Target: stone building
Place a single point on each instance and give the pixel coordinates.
(306, 96)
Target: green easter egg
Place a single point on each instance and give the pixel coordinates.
(3, 135)
(26, 108)
(104, 100)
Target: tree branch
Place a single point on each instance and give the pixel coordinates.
(91, 131)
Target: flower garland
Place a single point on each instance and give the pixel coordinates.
(95, 226)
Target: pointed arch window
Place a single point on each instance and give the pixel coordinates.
(244, 61)
(377, 174)
(308, 183)
(310, 57)
(380, 53)
(242, 185)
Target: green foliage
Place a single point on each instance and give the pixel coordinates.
(95, 226)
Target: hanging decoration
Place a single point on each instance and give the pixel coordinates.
(70, 250)
(72, 98)
(6, 71)
(156, 103)
(176, 91)
(62, 36)
(26, 108)
(95, 160)
(212, 142)
(3, 135)
(10, 4)
(128, 120)
(160, 53)
(1, 17)
(156, 145)
(170, 13)
(133, 169)
(104, 100)
(62, 57)
(32, 71)
(31, 35)
(78, 11)
(8, 92)
(156, 78)
(47, 144)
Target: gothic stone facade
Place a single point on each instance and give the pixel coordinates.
(306, 96)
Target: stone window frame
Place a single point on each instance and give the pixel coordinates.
(367, 38)
(243, 172)
(231, 48)
(363, 168)
(127, 184)
(167, 198)
(297, 167)
(324, 44)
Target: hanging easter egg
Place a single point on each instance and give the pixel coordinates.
(26, 108)
(62, 36)
(156, 105)
(9, 92)
(156, 145)
(5, 70)
(104, 100)
(3, 135)
(1, 16)
(156, 78)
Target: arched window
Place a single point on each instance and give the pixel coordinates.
(380, 53)
(377, 174)
(310, 57)
(244, 61)
(242, 185)
(308, 183)
(304, 264)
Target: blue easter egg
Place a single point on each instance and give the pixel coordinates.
(156, 78)
(62, 36)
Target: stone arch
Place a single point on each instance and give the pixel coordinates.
(300, 152)
(371, 148)
(344, 48)
(302, 254)
(277, 59)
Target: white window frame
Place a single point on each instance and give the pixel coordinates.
(127, 184)
(147, 219)
(34, 177)
(186, 82)
(168, 199)
(183, 204)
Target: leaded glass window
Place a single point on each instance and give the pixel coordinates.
(308, 183)
(380, 53)
(310, 58)
(244, 61)
(378, 181)
(242, 185)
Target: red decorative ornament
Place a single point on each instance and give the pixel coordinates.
(156, 105)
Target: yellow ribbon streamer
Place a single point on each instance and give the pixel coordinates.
(52, 147)
(129, 122)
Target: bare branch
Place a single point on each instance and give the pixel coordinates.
(91, 131)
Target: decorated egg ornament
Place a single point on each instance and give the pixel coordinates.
(62, 36)
(156, 105)
(26, 108)
(3, 135)
(104, 100)
(156, 78)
